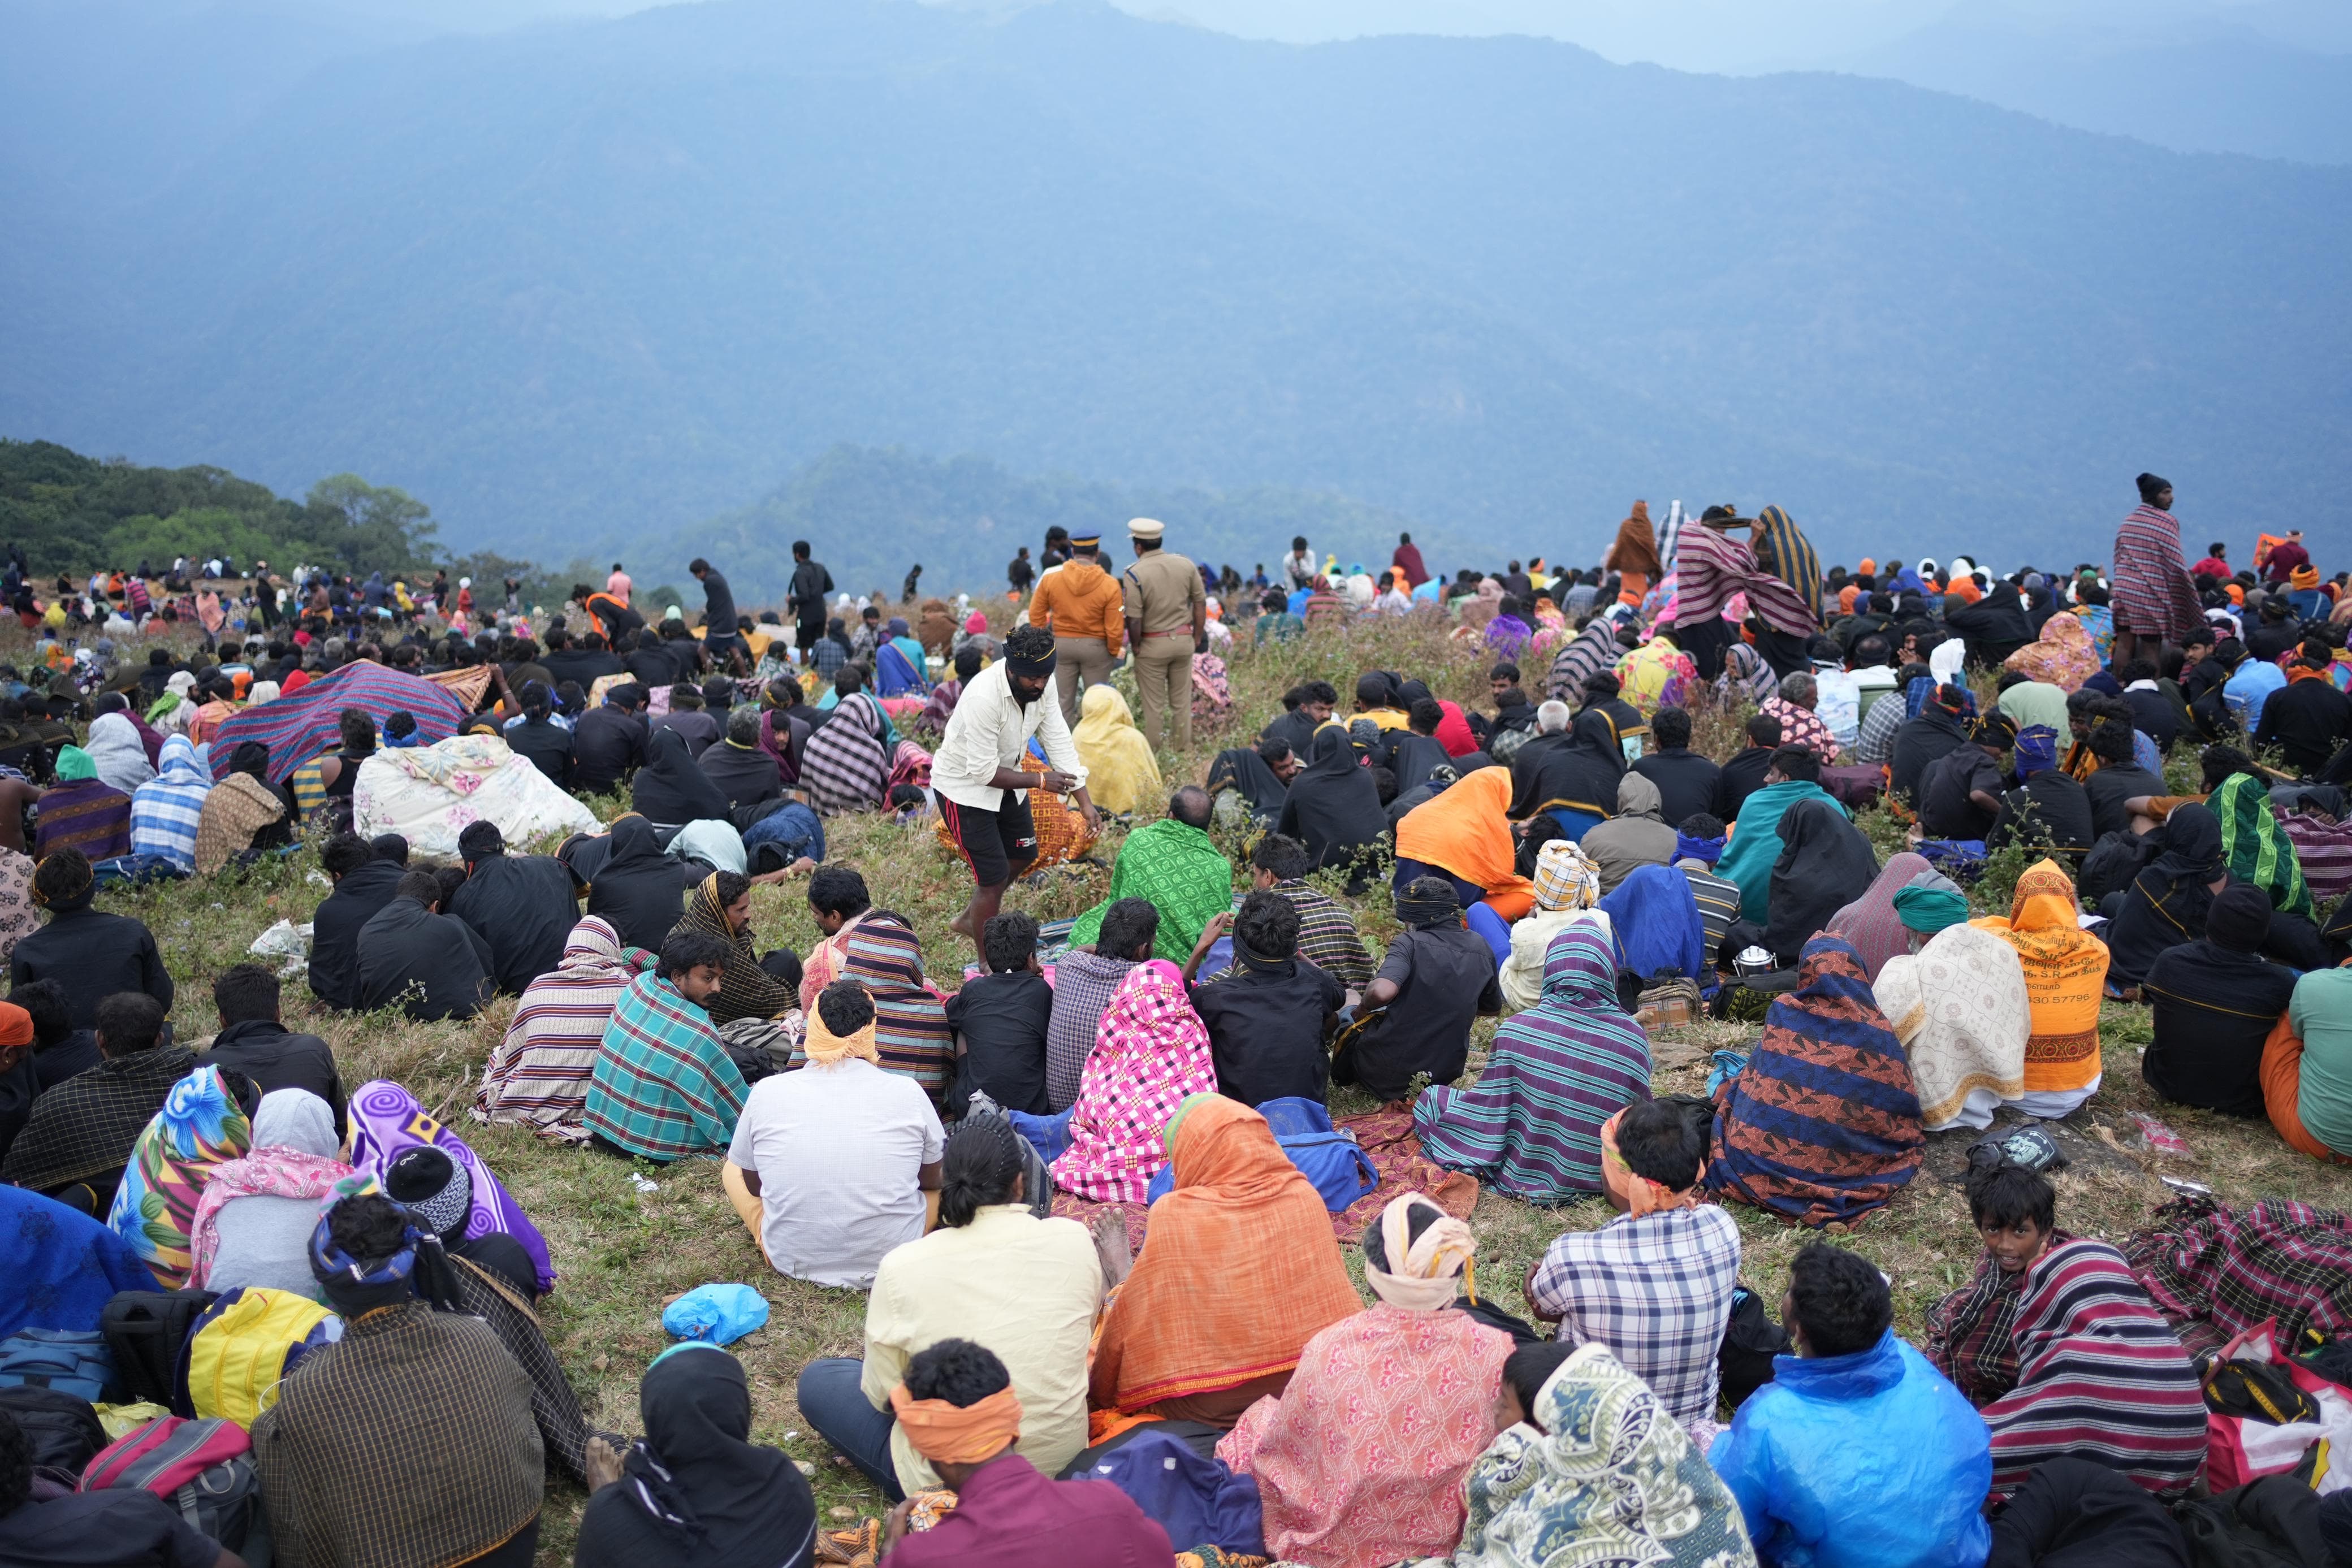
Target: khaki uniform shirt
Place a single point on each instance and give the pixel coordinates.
(1162, 591)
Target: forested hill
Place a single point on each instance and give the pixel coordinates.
(70, 514)
(871, 514)
(590, 287)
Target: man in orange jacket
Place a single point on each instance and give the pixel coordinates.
(1081, 604)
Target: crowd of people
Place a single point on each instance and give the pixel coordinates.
(334, 1282)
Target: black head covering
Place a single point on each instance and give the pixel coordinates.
(1581, 771)
(2240, 919)
(433, 1186)
(2169, 903)
(1825, 864)
(1240, 768)
(640, 890)
(695, 1492)
(671, 787)
(2192, 845)
(1334, 806)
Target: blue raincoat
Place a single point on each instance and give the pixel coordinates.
(1869, 1460)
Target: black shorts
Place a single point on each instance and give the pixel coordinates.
(1000, 843)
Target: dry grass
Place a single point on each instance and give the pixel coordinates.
(621, 1251)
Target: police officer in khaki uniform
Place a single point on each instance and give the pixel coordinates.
(1167, 613)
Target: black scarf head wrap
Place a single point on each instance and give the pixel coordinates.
(1428, 902)
(672, 787)
(2192, 845)
(696, 1490)
(2240, 919)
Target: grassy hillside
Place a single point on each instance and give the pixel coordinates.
(622, 1249)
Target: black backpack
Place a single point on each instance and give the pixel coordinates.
(146, 1331)
(2270, 1523)
(1750, 1340)
(61, 1428)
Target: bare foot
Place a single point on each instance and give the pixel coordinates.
(1111, 1246)
(604, 1465)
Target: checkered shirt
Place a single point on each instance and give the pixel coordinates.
(1656, 1291)
(1876, 744)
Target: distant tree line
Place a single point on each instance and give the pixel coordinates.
(72, 514)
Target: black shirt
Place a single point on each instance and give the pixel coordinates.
(2109, 788)
(91, 955)
(117, 1528)
(718, 603)
(1739, 778)
(2050, 809)
(433, 965)
(1944, 809)
(523, 908)
(2308, 721)
(1933, 734)
(1266, 1030)
(699, 727)
(264, 1050)
(2268, 639)
(582, 664)
(1686, 780)
(744, 774)
(548, 744)
(2213, 1011)
(1446, 977)
(335, 930)
(607, 745)
(2154, 717)
(651, 662)
(812, 582)
(1002, 1019)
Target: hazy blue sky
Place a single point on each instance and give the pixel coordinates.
(1689, 35)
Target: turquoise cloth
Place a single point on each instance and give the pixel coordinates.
(2321, 1013)
(1755, 843)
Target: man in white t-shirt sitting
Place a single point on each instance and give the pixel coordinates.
(834, 1166)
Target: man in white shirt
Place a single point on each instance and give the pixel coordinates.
(1298, 566)
(841, 1158)
(983, 775)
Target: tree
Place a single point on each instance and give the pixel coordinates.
(371, 527)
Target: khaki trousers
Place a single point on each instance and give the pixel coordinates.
(1163, 678)
(1075, 657)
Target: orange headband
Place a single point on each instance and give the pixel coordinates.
(949, 1434)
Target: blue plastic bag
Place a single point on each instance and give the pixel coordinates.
(1340, 1171)
(716, 1314)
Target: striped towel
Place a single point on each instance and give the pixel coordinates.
(2324, 848)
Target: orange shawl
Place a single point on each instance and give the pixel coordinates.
(1239, 1269)
(1464, 831)
(2065, 972)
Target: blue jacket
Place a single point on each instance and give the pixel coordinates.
(1869, 1460)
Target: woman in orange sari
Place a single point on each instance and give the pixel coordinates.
(1464, 835)
(1238, 1271)
(2065, 975)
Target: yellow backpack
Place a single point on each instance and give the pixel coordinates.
(245, 1344)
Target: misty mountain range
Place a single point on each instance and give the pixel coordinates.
(588, 286)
